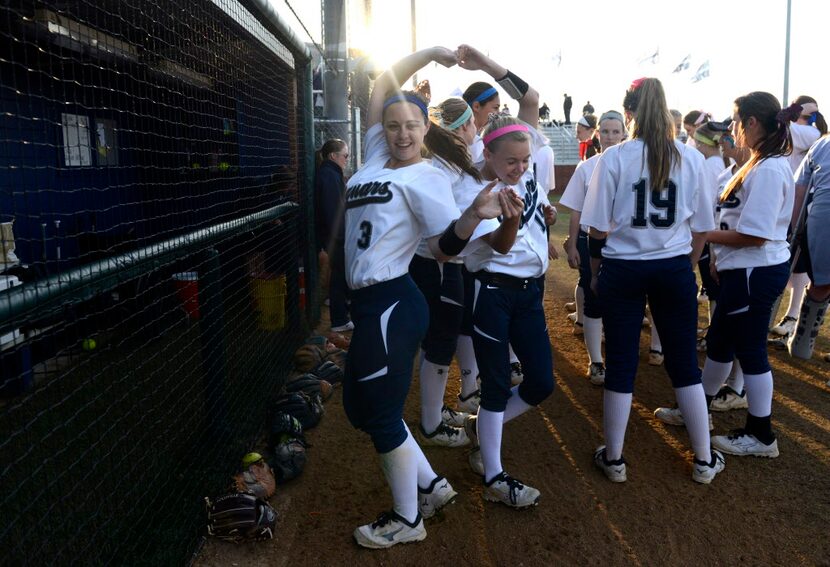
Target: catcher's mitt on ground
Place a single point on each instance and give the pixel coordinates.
(308, 357)
(310, 384)
(329, 371)
(240, 517)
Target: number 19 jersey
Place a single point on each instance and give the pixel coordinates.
(388, 211)
(645, 224)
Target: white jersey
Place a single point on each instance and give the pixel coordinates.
(528, 258)
(543, 163)
(804, 136)
(644, 224)
(388, 211)
(574, 195)
(477, 152)
(464, 191)
(761, 207)
(712, 169)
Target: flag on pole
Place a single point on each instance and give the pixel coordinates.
(558, 58)
(683, 65)
(702, 72)
(654, 57)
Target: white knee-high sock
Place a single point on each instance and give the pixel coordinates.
(516, 406)
(433, 383)
(692, 403)
(400, 466)
(616, 407)
(655, 338)
(489, 424)
(759, 393)
(593, 338)
(714, 375)
(425, 473)
(799, 286)
(579, 299)
(513, 357)
(736, 381)
(467, 364)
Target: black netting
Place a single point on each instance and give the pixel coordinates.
(153, 175)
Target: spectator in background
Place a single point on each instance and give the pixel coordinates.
(679, 132)
(586, 129)
(566, 106)
(505, 110)
(691, 121)
(330, 194)
(587, 109)
(544, 112)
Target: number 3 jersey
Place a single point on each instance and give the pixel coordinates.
(645, 224)
(761, 207)
(388, 211)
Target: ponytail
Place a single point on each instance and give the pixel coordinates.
(777, 140)
(331, 146)
(448, 147)
(654, 125)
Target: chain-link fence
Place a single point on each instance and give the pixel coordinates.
(154, 179)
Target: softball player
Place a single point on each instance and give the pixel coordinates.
(813, 177)
(442, 286)
(751, 259)
(391, 202)
(647, 211)
(805, 130)
(611, 133)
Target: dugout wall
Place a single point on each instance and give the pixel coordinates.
(156, 163)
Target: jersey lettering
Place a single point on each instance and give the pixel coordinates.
(367, 193)
(732, 202)
(531, 198)
(365, 235)
(664, 200)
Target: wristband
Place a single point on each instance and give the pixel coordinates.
(449, 243)
(514, 86)
(595, 246)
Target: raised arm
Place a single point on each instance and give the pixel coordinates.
(394, 77)
(472, 59)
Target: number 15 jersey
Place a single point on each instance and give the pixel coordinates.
(645, 224)
(388, 211)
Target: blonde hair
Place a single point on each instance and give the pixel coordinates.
(654, 125)
(501, 121)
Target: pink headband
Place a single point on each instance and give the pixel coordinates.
(703, 116)
(635, 84)
(498, 132)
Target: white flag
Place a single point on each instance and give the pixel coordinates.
(683, 65)
(702, 72)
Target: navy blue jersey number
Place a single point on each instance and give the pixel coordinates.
(664, 201)
(365, 235)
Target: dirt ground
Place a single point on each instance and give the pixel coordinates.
(757, 512)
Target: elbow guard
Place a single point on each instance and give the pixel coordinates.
(449, 243)
(514, 86)
(595, 246)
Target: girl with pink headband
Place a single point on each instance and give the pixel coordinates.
(507, 298)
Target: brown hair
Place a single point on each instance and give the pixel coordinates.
(331, 146)
(820, 122)
(447, 146)
(776, 141)
(654, 125)
(476, 89)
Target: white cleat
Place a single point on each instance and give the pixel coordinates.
(704, 472)
(476, 462)
(453, 418)
(444, 436)
(785, 327)
(470, 402)
(516, 374)
(510, 491)
(728, 399)
(388, 530)
(572, 317)
(655, 357)
(744, 444)
(596, 373)
(614, 470)
(672, 416)
(437, 495)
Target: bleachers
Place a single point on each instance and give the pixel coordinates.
(564, 144)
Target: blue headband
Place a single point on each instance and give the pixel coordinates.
(461, 120)
(406, 98)
(486, 94)
(813, 117)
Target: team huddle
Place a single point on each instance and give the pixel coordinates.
(448, 255)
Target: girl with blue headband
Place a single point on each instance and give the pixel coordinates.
(393, 201)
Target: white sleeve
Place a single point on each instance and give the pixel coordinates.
(760, 212)
(804, 173)
(703, 219)
(598, 208)
(431, 200)
(574, 195)
(803, 137)
(375, 143)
